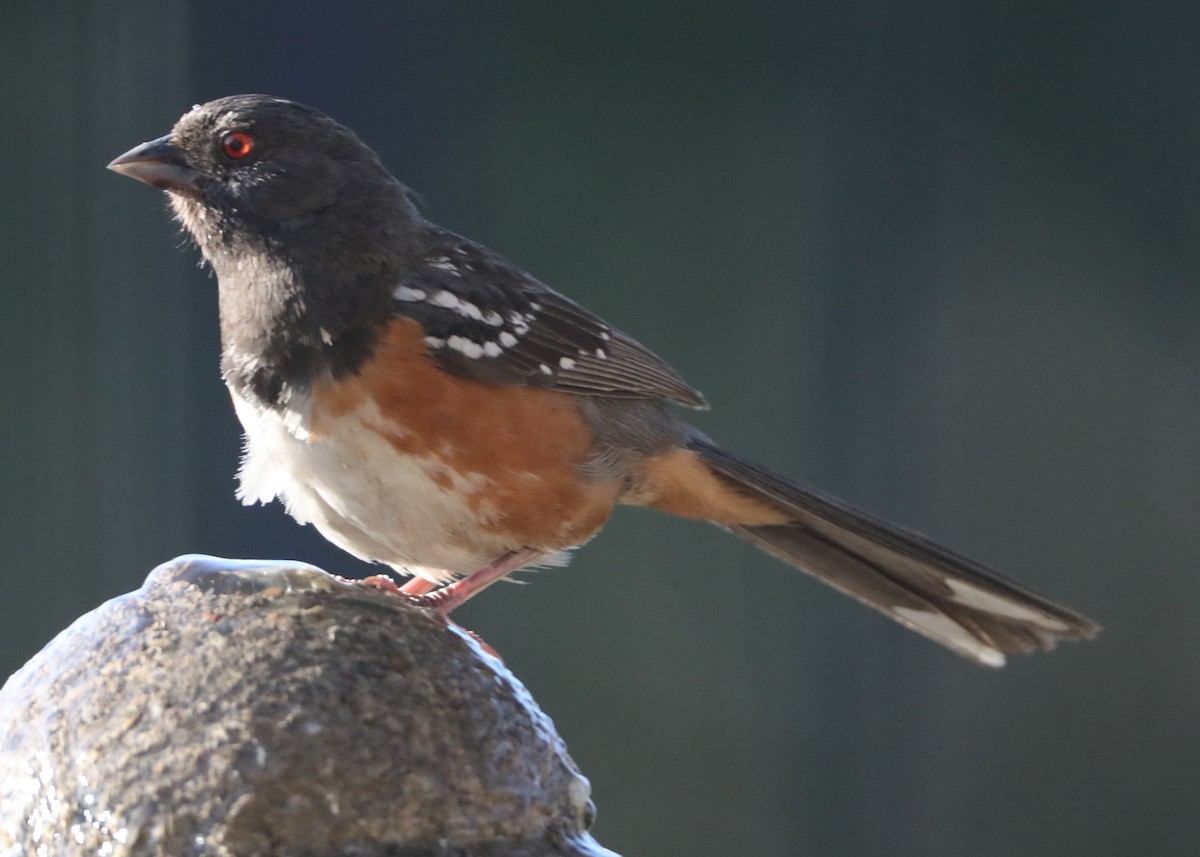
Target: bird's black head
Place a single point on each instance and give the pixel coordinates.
(257, 166)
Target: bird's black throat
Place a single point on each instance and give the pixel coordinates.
(289, 317)
(292, 309)
(279, 336)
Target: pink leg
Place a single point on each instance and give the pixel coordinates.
(417, 586)
(456, 594)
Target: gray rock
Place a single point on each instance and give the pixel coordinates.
(233, 708)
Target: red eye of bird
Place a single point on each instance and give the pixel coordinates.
(237, 144)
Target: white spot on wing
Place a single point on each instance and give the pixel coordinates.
(492, 349)
(566, 363)
(443, 263)
(546, 370)
(465, 308)
(507, 339)
(434, 342)
(601, 353)
(519, 323)
(405, 293)
(465, 346)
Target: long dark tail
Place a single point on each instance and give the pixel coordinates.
(948, 598)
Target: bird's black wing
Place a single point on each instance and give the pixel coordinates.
(490, 321)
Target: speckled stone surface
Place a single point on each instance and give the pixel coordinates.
(233, 708)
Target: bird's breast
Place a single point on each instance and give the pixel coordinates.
(405, 464)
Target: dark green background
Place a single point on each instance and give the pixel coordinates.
(939, 258)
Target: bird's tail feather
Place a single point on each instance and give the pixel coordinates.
(950, 599)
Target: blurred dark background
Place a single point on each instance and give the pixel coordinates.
(939, 258)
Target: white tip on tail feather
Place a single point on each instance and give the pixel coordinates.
(946, 631)
(981, 599)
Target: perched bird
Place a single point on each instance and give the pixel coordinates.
(426, 404)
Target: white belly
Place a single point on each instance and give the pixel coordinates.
(362, 494)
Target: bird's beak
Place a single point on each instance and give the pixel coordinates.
(159, 163)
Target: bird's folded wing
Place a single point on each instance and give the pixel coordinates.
(489, 321)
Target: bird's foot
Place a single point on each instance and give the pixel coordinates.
(454, 595)
(381, 582)
(423, 593)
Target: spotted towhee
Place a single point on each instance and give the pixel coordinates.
(427, 405)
